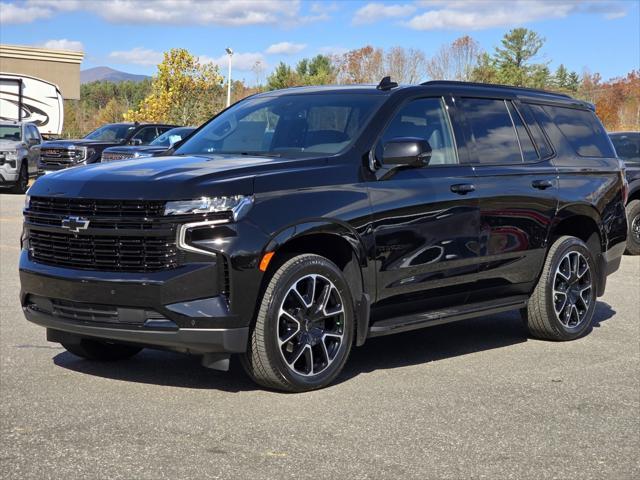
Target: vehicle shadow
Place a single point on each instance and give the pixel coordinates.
(395, 351)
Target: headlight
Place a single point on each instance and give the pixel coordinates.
(11, 155)
(237, 205)
(81, 154)
(27, 201)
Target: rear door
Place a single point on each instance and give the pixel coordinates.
(516, 187)
(425, 224)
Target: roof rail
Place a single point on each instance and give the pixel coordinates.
(495, 85)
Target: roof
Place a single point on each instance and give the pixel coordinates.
(525, 94)
(38, 53)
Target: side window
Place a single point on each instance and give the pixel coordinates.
(583, 131)
(529, 153)
(541, 141)
(493, 135)
(146, 135)
(427, 119)
(34, 133)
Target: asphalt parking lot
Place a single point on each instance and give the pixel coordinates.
(475, 399)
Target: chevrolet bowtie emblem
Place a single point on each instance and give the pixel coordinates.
(75, 224)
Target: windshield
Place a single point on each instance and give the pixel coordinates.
(172, 136)
(286, 125)
(627, 146)
(10, 132)
(111, 133)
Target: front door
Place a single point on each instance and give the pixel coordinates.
(425, 220)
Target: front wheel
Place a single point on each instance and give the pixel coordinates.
(562, 304)
(22, 183)
(633, 221)
(304, 328)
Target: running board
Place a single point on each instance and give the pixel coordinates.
(438, 317)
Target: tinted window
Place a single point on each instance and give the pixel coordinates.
(146, 135)
(493, 136)
(583, 131)
(627, 146)
(529, 153)
(110, 133)
(10, 132)
(541, 141)
(426, 119)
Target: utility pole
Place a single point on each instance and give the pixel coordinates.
(230, 54)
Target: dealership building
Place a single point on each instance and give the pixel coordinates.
(60, 67)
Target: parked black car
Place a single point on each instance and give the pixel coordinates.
(60, 154)
(627, 145)
(156, 148)
(300, 222)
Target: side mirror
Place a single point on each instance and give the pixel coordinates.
(135, 141)
(406, 151)
(32, 142)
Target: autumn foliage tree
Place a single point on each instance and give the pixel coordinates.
(456, 61)
(184, 91)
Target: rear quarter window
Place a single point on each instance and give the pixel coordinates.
(583, 131)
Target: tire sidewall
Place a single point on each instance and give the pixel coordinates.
(293, 272)
(632, 212)
(564, 332)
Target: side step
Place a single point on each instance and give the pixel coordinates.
(438, 317)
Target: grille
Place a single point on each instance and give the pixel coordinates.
(112, 156)
(108, 253)
(87, 208)
(84, 311)
(57, 156)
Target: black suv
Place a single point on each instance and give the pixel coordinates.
(301, 222)
(627, 145)
(157, 148)
(60, 154)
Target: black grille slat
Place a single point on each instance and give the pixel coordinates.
(108, 253)
(89, 208)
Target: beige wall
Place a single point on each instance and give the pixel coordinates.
(60, 67)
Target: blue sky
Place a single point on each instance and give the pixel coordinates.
(130, 35)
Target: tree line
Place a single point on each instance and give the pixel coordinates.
(186, 91)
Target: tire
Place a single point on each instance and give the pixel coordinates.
(633, 232)
(296, 344)
(543, 313)
(102, 351)
(22, 183)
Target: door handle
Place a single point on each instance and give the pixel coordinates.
(463, 188)
(542, 184)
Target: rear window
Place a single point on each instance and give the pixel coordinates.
(583, 131)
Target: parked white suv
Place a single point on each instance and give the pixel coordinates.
(19, 154)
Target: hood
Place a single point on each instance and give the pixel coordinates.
(10, 145)
(165, 178)
(139, 148)
(78, 141)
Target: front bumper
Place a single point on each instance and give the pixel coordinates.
(180, 309)
(8, 176)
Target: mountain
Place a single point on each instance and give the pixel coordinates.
(108, 75)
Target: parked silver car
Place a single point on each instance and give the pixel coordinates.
(19, 154)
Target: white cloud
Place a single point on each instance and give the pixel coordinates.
(286, 48)
(464, 15)
(239, 61)
(63, 44)
(373, 12)
(171, 12)
(138, 56)
(11, 13)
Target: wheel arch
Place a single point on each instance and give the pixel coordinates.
(337, 242)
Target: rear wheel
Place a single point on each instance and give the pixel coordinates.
(304, 329)
(97, 350)
(22, 183)
(562, 304)
(633, 222)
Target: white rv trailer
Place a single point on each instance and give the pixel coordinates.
(29, 99)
